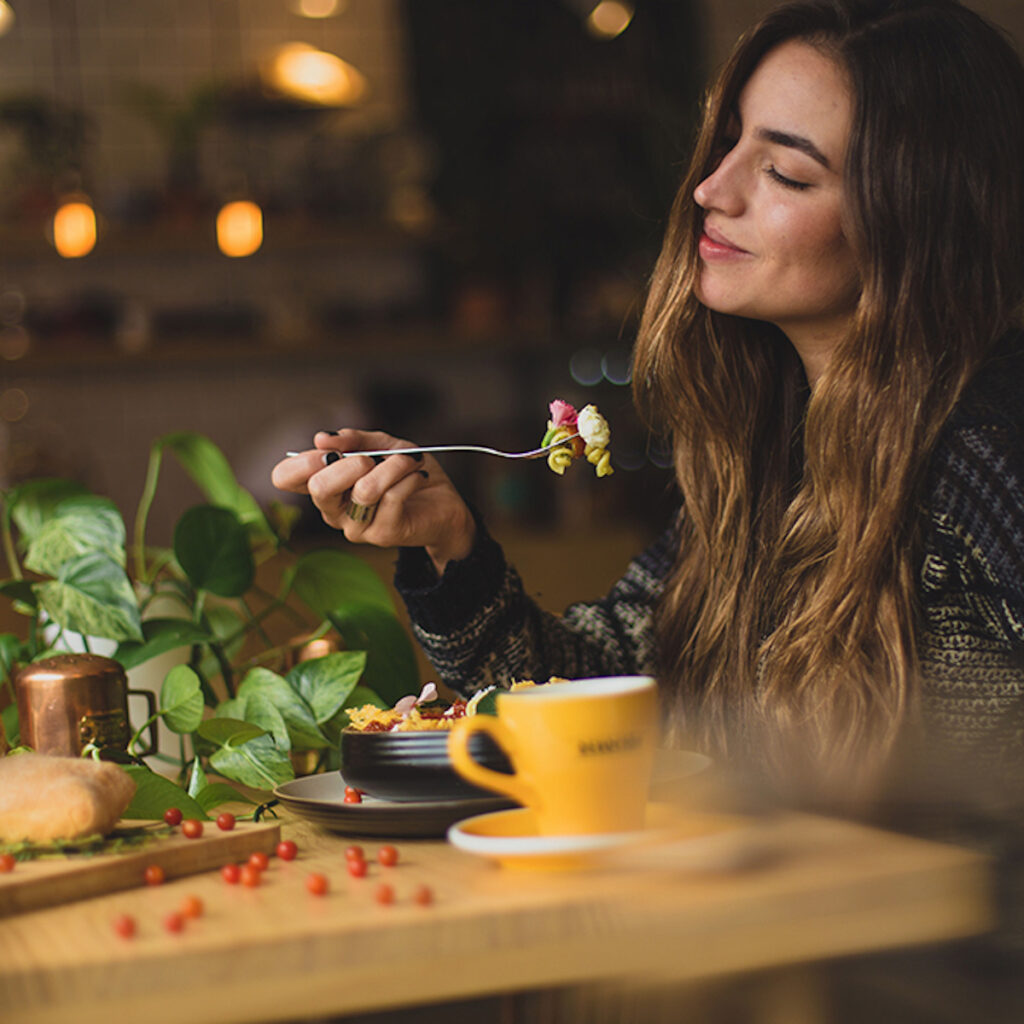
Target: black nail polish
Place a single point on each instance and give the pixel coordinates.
(333, 433)
(423, 473)
(330, 457)
(377, 459)
(416, 456)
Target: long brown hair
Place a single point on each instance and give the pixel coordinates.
(789, 618)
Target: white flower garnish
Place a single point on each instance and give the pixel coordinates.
(405, 706)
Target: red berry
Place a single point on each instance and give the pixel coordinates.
(356, 867)
(124, 925)
(154, 874)
(387, 856)
(191, 828)
(353, 852)
(250, 876)
(174, 922)
(259, 860)
(173, 816)
(353, 796)
(225, 821)
(230, 873)
(287, 850)
(384, 894)
(7, 862)
(352, 789)
(191, 906)
(317, 883)
(423, 895)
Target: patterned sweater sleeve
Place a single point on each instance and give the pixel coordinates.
(478, 627)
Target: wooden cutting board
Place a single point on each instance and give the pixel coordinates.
(46, 882)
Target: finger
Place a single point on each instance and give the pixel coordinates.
(293, 473)
(349, 439)
(383, 522)
(387, 472)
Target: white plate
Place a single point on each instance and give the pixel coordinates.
(321, 799)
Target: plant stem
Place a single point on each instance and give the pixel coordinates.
(142, 513)
(8, 542)
(226, 671)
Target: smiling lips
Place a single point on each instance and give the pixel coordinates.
(715, 246)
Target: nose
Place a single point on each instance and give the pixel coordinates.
(722, 189)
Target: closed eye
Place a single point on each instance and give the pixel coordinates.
(792, 183)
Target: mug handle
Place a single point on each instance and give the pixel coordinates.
(467, 767)
(151, 713)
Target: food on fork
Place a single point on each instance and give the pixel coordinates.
(594, 436)
(45, 798)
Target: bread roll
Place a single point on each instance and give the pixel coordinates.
(43, 798)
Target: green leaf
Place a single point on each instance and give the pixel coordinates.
(19, 591)
(262, 711)
(197, 780)
(11, 653)
(82, 523)
(325, 683)
(210, 470)
(298, 716)
(256, 763)
(159, 637)
(181, 700)
(9, 717)
(217, 793)
(155, 794)
(391, 668)
(92, 595)
(228, 730)
(212, 548)
(35, 501)
(329, 579)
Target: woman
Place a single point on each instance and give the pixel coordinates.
(829, 341)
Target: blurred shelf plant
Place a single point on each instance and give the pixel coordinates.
(244, 706)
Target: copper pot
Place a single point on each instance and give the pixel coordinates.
(71, 700)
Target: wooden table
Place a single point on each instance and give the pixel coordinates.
(278, 953)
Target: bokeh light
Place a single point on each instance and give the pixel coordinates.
(74, 229)
(239, 228)
(609, 19)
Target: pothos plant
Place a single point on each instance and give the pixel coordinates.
(239, 701)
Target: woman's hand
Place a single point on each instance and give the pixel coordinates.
(413, 502)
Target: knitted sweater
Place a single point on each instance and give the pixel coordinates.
(478, 626)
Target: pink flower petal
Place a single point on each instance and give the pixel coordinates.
(562, 414)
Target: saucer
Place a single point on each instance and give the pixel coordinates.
(511, 839)
(321, 799)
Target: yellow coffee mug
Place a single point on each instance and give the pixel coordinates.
(582, 752)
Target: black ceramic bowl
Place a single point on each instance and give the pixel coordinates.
(408, 766)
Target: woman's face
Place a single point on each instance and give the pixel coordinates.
(773, 246)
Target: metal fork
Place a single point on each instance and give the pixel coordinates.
(533, 453)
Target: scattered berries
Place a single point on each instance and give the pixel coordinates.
(357, 867)
(7, 862)
(259, 860)
(317, 883)
(191, 906)
(287, 850)
(250, 875)
(423, 895)
(353, 796)
(173, 816)
(385, 894)
(124, 925)
(174, 922)
(225, 821)
(154, 874)
(191, 828)
(387, 856)
(231, 873)
(353, 852)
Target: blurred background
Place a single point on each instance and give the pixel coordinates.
(260, 218)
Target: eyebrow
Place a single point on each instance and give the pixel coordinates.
(794, 142)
